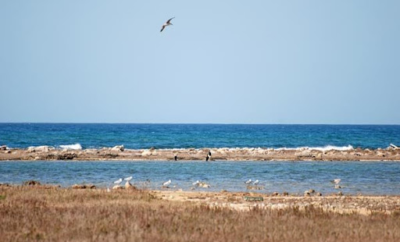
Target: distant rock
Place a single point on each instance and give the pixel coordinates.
(67, 156)
(39, 148)
(204, 185)
(118, 187)
(146, 153)
(128, 184)
(31, 183)
(78, 186)
(118, 148)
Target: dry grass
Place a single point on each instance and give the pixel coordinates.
(30, 214)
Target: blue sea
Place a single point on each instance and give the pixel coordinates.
(144, 136)
(369, 178)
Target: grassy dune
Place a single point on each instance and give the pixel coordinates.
(36, 213)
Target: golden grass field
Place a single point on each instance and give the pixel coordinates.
(39, 213)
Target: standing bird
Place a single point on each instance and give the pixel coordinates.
(165, 184)
(248, 181)
(118, 181)
(336, 182)
(255, 182)
(128, 178)
(168, 23)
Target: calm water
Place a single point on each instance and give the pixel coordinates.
(373, 178)
(294, 177)
(137, 136)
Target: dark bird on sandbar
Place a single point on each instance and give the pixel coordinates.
(176, 157)
(168, 23)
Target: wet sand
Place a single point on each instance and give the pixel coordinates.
(231, 154)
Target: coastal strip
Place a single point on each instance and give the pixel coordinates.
(39, 212)
(392, 153)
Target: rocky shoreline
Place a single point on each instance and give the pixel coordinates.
(392, 153)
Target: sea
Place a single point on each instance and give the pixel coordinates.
(368, 178)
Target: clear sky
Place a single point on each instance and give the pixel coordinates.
(261, 61)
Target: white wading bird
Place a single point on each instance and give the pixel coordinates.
(165, 184)
(255, 182)
(118, 181)
(248, 182)
(336, 181)
(168, 23)
(128, 178)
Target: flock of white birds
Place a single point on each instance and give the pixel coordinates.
(205, 185)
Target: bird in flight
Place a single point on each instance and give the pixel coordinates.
(168, 23)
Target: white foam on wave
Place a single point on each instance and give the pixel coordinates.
(230, 149)
(325, 148)
(76, 146)
(330, 147)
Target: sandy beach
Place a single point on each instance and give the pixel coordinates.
(365, 205)
(231, 154)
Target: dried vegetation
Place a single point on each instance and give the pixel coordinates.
(38, 213)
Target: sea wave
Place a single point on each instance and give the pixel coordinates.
(76, 146)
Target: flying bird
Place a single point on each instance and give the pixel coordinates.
(168, 23)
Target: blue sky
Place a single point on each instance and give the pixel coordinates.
(281, 62)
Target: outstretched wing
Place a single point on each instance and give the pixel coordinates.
(168, 22)
(163, 27)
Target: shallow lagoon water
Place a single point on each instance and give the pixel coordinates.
(367, 178)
